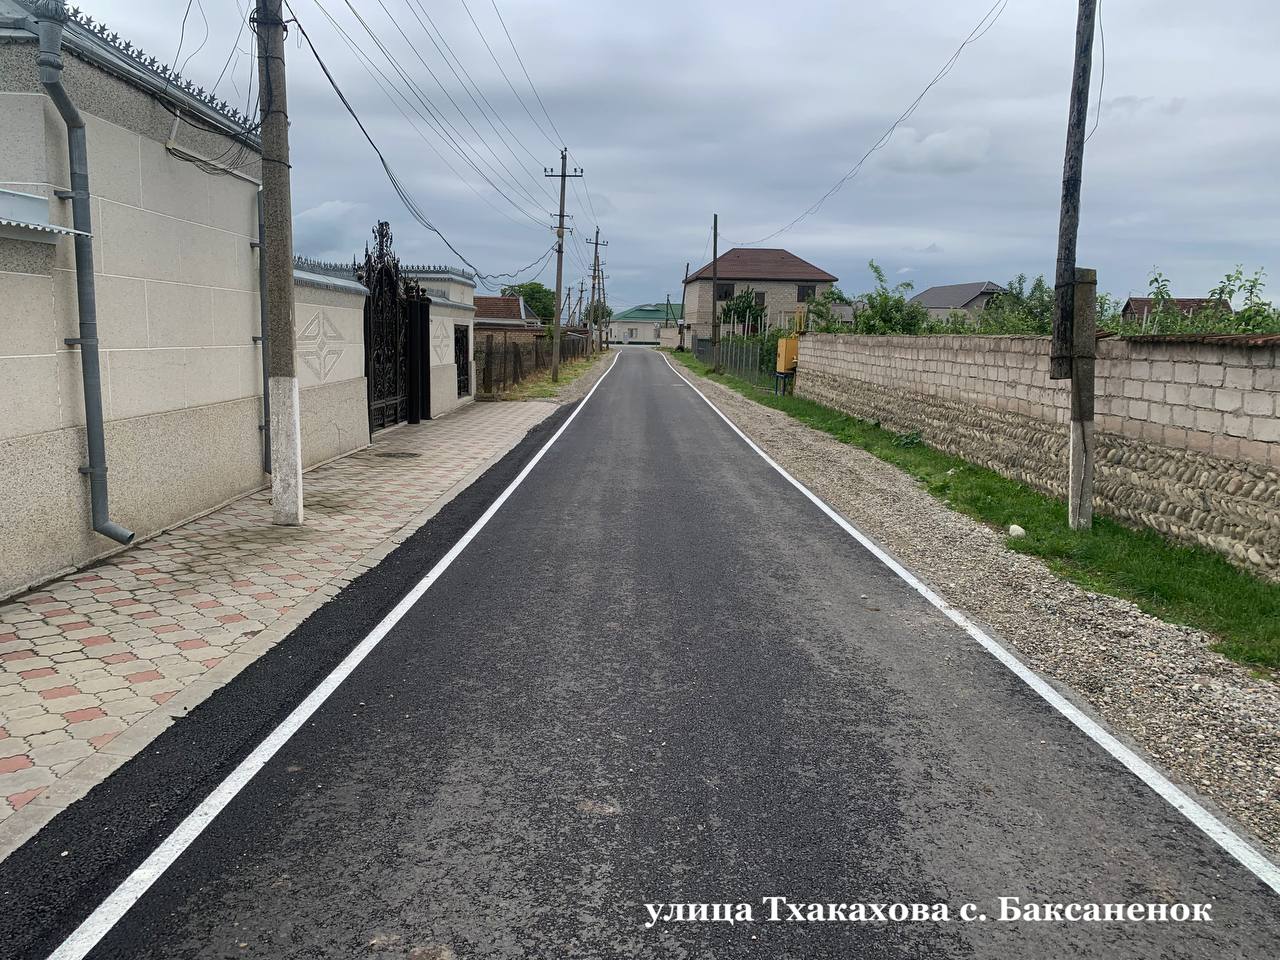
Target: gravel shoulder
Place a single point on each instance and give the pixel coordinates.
(1208, 721)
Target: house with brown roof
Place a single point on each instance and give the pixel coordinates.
(1139, 309)
(780, 280)
(505, 312)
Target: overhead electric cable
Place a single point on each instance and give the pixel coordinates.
(408, 201)
(977, 33)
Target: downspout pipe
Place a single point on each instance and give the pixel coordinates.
(262, 337)
(50, 18)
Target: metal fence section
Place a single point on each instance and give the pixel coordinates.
(746, 358)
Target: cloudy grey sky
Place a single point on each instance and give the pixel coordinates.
(754, 108)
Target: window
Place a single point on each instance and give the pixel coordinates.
(805, 292)
(724, 291)
(759, 298)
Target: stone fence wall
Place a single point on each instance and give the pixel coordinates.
(1188, 435)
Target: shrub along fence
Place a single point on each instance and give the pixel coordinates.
(503, 361)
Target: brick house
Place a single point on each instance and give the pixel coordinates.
(1140, 308)
(781, 281)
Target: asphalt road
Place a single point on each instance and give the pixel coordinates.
(658, 676)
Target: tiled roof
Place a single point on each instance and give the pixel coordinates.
(748, 263)
(954, 295)
(499, 308)
(1144, 305)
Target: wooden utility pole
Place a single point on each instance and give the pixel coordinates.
(715, 282)
(1069, 218)
(277, 208)
(1075, 290)
(684, 289)
(597, 284)
(564, 175)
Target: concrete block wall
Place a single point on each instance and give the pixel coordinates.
(1168, 456)
(177, 292)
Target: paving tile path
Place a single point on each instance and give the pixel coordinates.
(94, 665)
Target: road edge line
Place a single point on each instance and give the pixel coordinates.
(1211, 826)
(112, 909)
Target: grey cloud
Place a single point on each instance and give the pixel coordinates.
(677, 111)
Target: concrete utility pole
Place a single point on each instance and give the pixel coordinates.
(1069, 219)
(715, 282)
(282, 387)
(1080, 469)
(564, 175)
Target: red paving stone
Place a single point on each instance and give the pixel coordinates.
(14, 764)
(80, 716)
(57, 693)
(20, 800)
(183, 576)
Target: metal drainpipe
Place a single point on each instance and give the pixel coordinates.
(50, 20)
(265, 426)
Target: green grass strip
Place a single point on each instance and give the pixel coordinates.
(1177, 583)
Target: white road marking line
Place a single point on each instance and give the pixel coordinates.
(1211, 826)
(96, 926)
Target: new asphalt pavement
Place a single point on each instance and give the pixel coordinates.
(660, 689)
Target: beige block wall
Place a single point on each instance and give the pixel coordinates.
(177, 298)
(990, 400)
(440, 348)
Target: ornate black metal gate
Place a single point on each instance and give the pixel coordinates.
(385, 333)
(462, 357)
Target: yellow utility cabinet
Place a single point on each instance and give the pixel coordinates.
(788, 354)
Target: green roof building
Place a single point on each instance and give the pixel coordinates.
(644, 323)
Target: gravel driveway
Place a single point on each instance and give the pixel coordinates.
(1208, 721)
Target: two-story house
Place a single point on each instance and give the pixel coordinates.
(780, 280)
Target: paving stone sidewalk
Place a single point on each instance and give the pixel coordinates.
(95, 665)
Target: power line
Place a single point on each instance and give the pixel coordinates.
(498, 64)
(386, 85)
(510, 179)
(410, 204)
(417, 8)
(1102, 74)
(520, 61)
(441, 121)
(433, 118)
(204, 17)
(977, 33)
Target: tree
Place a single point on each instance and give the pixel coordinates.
(540, 300)
(742, 308)
(821, 310)
(597, 312)
(888, 309)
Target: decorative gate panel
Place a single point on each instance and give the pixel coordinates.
(385, 333)
(462, 357)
